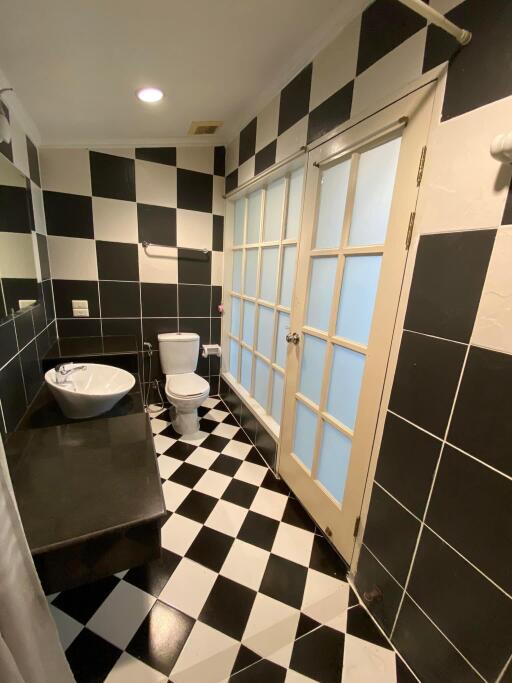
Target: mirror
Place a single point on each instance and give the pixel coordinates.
(19, 273)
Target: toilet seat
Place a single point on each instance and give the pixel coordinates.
(186, 385)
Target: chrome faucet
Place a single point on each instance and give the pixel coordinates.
(63, 370)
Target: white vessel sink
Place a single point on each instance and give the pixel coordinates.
(88, 389)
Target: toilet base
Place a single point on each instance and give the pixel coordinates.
(184, 423)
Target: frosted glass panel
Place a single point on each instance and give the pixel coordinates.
(312, 367)
(294, 204)
(288, 275)
(262, 372)
(277, 396)
(273, 211)
(238, 233)
(333, 195)
(248, 324)
(346, 375)
(357, 300)
(268, 280)
(235, 316)
(251, 270)
(233, 357)
(374, 191)
(245, 374)
(334, 460)
(321, 283)
(265, 331)
(236, 282)
(283, 327)
(304, 436)
(253, 217)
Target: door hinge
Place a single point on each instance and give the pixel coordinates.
(410, 229)
(421, 166)
(356, 526)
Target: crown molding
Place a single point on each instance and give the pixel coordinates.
(181, 141)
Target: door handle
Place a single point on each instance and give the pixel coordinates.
(292, 338)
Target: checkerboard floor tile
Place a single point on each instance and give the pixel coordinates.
(246, 589)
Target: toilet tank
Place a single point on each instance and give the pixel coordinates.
(179, 352)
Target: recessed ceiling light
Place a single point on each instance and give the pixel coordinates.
(150, 94)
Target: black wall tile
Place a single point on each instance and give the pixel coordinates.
(199, 325)
(79, 327)
(43, 343)
(294, 100)
(119, 299)
(265, 158)
(38, 314)
(391, 534)
(122, 327)
(447, 283)
(31, 369)
(194, 267)
(507, 211)
(371, 575)
(232, 181)
(456, 597)
(406, 464)
(24, 326)
(426, 650)
(439, 47)
(112, 177)
(215, 331)
(194, 190)
(152, 327)
(469, 508)
(219, 161)
(481, 423)
(266, 446)
(68, 215)
(156, 224)
(247, 143)
(160, 155)
(117, 261)
(426, 378)
(33, 162)
(385, 24)
(16, 289)
(159, 300)
(8, 346)
(12, 394)
(218, 233)
(194, 301)
(44, 261)
(330, 113)
(65, 291)
(14, 214)
(48, 300)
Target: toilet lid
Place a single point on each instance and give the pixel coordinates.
(186, 384)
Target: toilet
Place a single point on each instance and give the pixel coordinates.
(186, 391)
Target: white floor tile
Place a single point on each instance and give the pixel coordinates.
(237, 449)
(226, 517)
(210, 402)
(157, 425)
(213, 484)
(67, 627)
(162, 443)
(208, 656)
(188, 587)
(203, 457)
(269, 503)
(326, 600)
(227, 431)
(127, 669)
(364, 662)
(251, 473)
(167, 465)
(216, 415)
(293, 543)
(295, 677)
(195, 439)
(121, 614)
(178, 534)
(271, 629)
(245, 564)
(174, 494)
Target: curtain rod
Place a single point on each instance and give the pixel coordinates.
(461, 34)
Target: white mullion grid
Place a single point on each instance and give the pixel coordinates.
(242, 286)
(259, 260)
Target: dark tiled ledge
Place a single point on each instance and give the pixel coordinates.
(119, 351)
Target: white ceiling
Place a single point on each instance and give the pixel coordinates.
(75, 64)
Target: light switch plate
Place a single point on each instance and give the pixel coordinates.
(79, 303)
(81, 312)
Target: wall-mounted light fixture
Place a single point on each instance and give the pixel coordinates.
(5, 128)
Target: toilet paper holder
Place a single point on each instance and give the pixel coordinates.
(210, 350)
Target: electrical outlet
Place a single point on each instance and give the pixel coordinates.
(79, 303)
(80, 312)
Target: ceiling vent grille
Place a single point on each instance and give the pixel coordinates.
(204, 127)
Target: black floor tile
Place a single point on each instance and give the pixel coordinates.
(153, 576)
(240, 493)
(305, 625)
(240, 435)
(186, 474)
(295, 514)
(244, 658)
(230, 621)
(360, 624)
(207, 425)
(328, 666)
(215, 443)
(272, 483)
(197, 506)
(210, 548)
(179, 450)
(284, 580)
(91, 658)
(170, 431)
(225, 464)
(325, 559)
(264, 670)
(82, 602)
(254, 457)
(259, 530)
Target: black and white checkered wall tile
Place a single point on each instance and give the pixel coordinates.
(386, 47)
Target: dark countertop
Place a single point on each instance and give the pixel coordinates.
(78, 480)
(74, 347)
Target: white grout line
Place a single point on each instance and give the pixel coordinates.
(504, 670)
(413, 424)
(3, 416)
(433, 336)
(28, 344)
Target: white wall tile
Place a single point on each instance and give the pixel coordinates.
(232, 155)
(217, 267)
(126, 152)
(194, 229)
(444, 6)
(155, 183)
(65, 170)
(158, 264)
(35, 256)
(38, 208)
(219, 203)
(493, 326)
(17, 255)
(246, 171)
(292, 139)
(266, 129)
(10, 175)
(195, 158)
(19, 147)
(115, 220)
(389, 74)
(72, 258)
(336, 65)
(463, 187)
